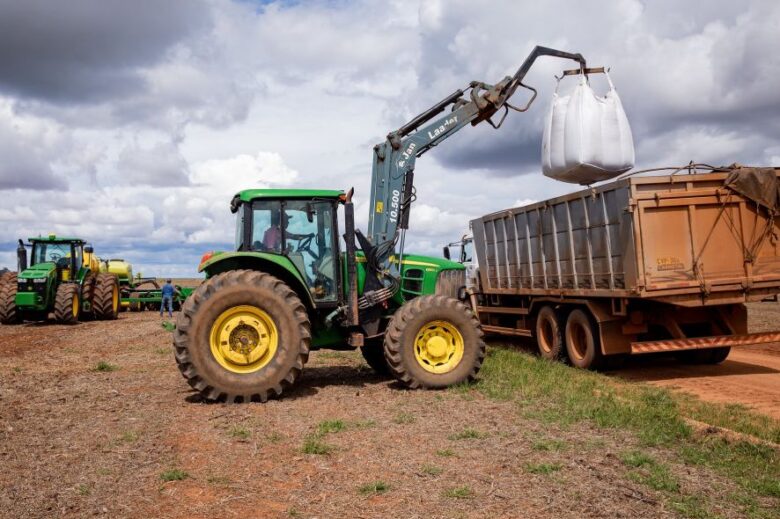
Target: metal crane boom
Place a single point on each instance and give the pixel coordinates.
(392, 175)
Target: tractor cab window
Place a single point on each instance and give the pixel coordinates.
(57, 253)
(78, 255)
(266, 226)
(309, 243)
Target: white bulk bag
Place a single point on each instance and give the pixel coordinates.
(586, 137)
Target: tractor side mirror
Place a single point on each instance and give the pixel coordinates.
(88, 249)
(446, 252)
(309, 212)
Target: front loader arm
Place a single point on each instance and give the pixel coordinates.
(392, 175)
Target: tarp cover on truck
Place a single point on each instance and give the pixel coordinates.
(760, 185)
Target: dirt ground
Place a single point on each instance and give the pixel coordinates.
(77, 441)
(750, 376)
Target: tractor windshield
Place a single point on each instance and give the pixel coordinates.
(59, 253)
(302, 230)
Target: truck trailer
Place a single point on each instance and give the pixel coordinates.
(643, 264)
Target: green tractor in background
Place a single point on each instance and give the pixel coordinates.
(63, 278)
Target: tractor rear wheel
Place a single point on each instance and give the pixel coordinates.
(374, 352)
(434, 342)
(242, 336)
(8, 287)
(67, 304)
(106, 299)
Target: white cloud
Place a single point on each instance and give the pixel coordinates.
(238, 95)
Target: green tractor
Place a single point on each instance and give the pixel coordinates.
(246, 332)
(63, 278)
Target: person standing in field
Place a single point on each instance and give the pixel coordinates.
(168, 291)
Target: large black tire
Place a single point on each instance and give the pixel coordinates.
(67, 304)
(105, 302)
(582, 340)
(374, 352)
(412, 319)
(549, 334)
(8, 287)
(199, 318)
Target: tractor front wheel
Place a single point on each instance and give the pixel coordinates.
(8, 286)
(242, 336)
(106, 299)
(67, 304)
(434, 342)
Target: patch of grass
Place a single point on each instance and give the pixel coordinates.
(656, 476)
(313, 445)
(468, 434)
(330, 426)
(334, 355)
(636, 458)
(83, 489)
(557, 394)
(292, 512)
(363, 424)
(102, 471)
(548, 445)
(129, 437)
(17, 369)
(377, 487)
(445, 453)
(105, 367)
(431, 470)
(218, 480)
(274, 437)
(162, 351)
(174, 475)
(463, 492)
(240, 432)
(542, 468)
(403, 418)
(168, 326)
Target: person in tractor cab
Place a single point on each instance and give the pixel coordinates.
(272, 239)
(168, 290)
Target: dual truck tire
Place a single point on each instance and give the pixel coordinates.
(574, 337)
(245, 336)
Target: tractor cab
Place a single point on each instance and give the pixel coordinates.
(66, 255)
(298, 224)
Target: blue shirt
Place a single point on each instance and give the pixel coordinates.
(168, 290)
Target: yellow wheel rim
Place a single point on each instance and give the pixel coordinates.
(244, 339)
(75, 305)
(438, 347)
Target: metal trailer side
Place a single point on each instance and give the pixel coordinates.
(660, 258)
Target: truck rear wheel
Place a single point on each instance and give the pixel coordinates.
(434, 342)
(8, 287)
(241, 336)
(67, 304)
(549, 335)
(582, 340)
(106, 299)
(374, 352)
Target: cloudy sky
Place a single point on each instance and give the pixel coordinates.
(132, 124)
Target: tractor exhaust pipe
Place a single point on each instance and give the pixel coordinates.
(21, 257)
(353, 316)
